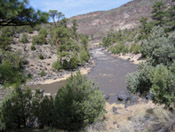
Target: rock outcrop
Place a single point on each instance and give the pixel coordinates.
(124, 17)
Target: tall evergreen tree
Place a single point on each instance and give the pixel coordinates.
(158, 13)
(18, 12)
(170, 17)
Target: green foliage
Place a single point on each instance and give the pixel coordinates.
(139, 81)
(41, 57)
(159, 48)
(22, 109)
(39, 39)
(45, 112)
(6, 37)
(70, 52)
(33, 47)
(78, 104)
(158, 13)
(18, 12)
(11, 69)
(42, 73)
(16, 109)
(163, 85)
(135, 48)
(84, 41)
(119, 48)
(109, 39)
(145, 28)
(170, 18)
(74, 61)
(24, 38)
(157, 80)
(157, 76)
(84, 55)
(117, 42)
(43, 32)
(57, 65)
(30, 29)
(56, 16)
(162, 15)
(74, 27)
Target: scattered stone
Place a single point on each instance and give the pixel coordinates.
(106, 97)
(42, 90)
(47, 94)
(124, 96)
(114, 122)
(114, 109)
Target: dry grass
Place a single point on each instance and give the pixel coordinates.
(123, 118)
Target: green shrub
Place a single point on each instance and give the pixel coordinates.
(6, 37)
(84, 56)
(157, 80)
(139, 82)
(45, 112)
(41, 57)
(43, 32)
(57, 66)
(23, 109)
(39, 39)
(119, 48)
(107, 42)
(158, 48)
(33, 47)
(74, 61)
(78, 104)
(15, 110)
(11, 69)
(163, 85)
(42, 73)
(30, 29)
(24, 38)
(136, 49)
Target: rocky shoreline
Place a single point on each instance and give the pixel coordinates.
(133, 58)
(60, 76)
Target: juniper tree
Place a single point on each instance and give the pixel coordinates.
(158, 13)
(78, 104)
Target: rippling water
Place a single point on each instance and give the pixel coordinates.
(109, 74)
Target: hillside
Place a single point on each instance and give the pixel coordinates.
(126, 16)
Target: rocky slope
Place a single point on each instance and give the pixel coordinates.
(126, 16)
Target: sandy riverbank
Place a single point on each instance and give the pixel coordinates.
(83, 71)
(134, 58)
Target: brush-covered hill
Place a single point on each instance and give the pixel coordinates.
(96, 24)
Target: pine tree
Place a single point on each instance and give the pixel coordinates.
(78, 104)
(16, 110)
(74, 27)
(170, 18)
(18, 12)
(158, 13)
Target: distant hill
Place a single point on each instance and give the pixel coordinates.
(126, 16)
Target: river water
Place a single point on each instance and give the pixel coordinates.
(109, 74)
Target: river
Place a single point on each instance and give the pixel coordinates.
(109, 74)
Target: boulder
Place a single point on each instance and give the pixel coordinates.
(106, 97)
(123, 96)
(114, 109)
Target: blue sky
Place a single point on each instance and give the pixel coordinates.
(76, 7)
